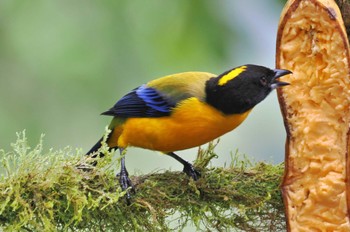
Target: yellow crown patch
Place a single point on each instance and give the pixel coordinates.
(231, 75)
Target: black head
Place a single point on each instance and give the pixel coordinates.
(240, 89)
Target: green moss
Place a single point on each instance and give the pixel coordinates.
(45, 191)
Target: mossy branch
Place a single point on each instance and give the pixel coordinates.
(45, 191)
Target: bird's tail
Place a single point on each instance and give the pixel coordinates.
(98, 145)
(95, 148)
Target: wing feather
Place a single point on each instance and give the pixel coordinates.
(141, 102)
(159, 97)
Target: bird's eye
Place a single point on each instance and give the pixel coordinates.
(263, 81)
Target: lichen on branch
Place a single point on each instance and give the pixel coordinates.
(45, 191)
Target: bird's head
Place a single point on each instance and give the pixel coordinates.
(240, 89)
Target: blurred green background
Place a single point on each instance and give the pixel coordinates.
(64, 62)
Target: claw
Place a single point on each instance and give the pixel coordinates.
(191, 171)
(125, 183)
(124, 180)
(188, 168)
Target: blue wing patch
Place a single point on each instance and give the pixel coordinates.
(142, 102)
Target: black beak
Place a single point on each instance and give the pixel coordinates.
(279, 73)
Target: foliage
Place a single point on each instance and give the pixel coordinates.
(59, 191)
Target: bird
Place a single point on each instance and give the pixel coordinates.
(185, 110)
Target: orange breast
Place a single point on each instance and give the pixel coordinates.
(193, 123)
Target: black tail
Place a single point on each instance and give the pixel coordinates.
(98, 146)
(95, 148)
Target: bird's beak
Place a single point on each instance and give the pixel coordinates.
(279, 73)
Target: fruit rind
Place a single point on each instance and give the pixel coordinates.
(312, 43)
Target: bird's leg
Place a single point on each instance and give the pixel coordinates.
(188, 168)
(124, 179)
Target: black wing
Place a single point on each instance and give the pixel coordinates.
(142, 102)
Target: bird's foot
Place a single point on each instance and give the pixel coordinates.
(191, 171)
(126, 184)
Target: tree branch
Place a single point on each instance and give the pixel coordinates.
(46, 191)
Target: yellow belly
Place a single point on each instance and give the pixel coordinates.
(193, 123)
